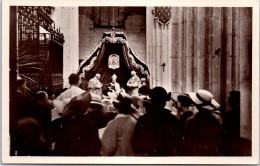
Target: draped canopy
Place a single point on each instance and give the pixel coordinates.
(115, 44)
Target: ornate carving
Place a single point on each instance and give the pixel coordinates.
(113, 61)
(29, 20)
(31, 17)
(162, 15)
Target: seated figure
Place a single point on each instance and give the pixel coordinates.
(115, 85)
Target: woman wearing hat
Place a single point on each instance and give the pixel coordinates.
(182, 103)
(116, 140)
(203, 130)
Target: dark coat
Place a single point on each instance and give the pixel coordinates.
(22, 108)
(78, 134)
(77, 137)
(202, 135)
(231, 124)
(231, 141)
(155, 134)
(43, 115)
(182, 121)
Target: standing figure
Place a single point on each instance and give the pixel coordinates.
(43, 114)
(116, 140)
(143, 81)
(22, 109)
(29, 139)
(156, 132)
(94, 85)
(133, 83)
(67, 95)
(232, 143)
(202, 131)
(114, 85)
(74, 90)
(77, 135)
(182, 103)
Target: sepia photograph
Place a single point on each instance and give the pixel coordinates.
(130, 83)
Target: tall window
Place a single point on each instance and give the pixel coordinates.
(109, 17)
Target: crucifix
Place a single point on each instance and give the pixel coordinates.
(113, 21)
(163, 65)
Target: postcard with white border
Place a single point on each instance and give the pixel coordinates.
(130, 82)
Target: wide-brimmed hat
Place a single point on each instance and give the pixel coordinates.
(77, 105)
(159, 94)
(135, 99)
(204, 99)
(96, 102)
(123, 103)
(95, 99)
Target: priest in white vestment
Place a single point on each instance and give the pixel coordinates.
(64, 98)
(133, 83)
(115, 85)
(94, 85)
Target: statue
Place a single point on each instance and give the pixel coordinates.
(115, 85)
(143, 81)
(94, 85)
(133, 83)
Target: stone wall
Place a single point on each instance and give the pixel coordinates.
(89, 36)
(211, 48)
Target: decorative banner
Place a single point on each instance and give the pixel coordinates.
(113, 61)
(162, 15)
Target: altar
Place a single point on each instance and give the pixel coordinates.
(113, 55)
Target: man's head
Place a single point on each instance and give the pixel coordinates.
(42, 96)
(98, 76)
(123, 104)
(74, 79)
(159, 96)
(144, 90)
(183, 101)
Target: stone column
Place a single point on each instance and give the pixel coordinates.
(246, 72)
(67, 18)
(159, 50)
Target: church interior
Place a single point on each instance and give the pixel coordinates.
(182, 49)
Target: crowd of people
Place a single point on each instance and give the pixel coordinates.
(113, 122)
